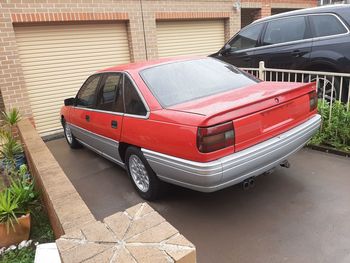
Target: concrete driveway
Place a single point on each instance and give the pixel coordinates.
(301, 214)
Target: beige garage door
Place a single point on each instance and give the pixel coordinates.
(200, 37)
(57, 59)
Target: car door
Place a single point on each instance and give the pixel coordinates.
(331, 42)
(81, 115)
(286, 43)
(136, 114)
(107, 118)
(239, 51)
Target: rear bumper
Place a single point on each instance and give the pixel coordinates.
(234, 168)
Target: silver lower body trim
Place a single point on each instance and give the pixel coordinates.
(234, 168)
(104, 146)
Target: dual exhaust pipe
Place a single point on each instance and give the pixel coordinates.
(250, 182)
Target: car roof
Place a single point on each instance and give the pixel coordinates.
(138, 66)
(313, 10)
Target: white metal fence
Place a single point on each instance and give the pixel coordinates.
(331, 86)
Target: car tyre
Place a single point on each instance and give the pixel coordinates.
(72, 142)
(143, 178)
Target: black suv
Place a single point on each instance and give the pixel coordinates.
(315, 39)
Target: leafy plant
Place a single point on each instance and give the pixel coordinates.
(335, 130)
(12, 117)
(10, 148)
(25, 193)
(16, 200)
(9, 209)
(24, 255)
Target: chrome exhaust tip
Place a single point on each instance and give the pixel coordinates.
(285, 164)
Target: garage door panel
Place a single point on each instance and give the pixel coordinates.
(86, 68)
(200, 37)
(71, 50)
(56, 60)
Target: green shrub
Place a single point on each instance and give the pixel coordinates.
(334, 131)
(9, 209)
(17, 200)
(24, 255)
(11, 117)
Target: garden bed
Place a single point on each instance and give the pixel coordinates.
(23, 221)
(329, 149)
(41, 232)
(334, 134)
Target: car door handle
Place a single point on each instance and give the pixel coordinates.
(296, 53)
(87, 117)
(114, 124)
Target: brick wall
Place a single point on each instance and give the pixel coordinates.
(47, 12)
(142, 46)
(270, 7)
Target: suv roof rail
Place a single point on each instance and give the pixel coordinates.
(300, 11)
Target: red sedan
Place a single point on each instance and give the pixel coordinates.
(196, 122)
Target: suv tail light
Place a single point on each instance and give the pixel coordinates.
(313, 100)
(216, 137)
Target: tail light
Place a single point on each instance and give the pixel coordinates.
(313, 100)
(216, 137)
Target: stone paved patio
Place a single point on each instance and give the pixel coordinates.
(138, 234)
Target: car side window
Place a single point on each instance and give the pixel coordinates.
(326, 25)
(132, 100)
(110, 97)
(285, 30)
(247, 38)
(87, 94)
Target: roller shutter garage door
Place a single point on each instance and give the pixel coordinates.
(56, 60)
(199, 37)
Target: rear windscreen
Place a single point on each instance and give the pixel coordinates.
(178, 82)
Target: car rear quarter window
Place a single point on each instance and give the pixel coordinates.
(326, 25)
(87, 94)
(110, 97)
(286, 30)
(133, 102)
(247, 38)
(178, 82)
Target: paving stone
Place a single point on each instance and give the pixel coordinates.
(179, 240)
(148, 254)
(180, 255)
(98, 232)
(118, 223)
(75, 234)
(131, 211)
(64, 245)
(140, 225)
(123, 256)
(104, 257)
(146, 209)
(83, 252)
(155, 234)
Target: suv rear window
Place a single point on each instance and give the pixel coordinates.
(286, 30)
(178, 82)
(326, 25)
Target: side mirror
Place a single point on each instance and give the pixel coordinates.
(227, 49)
(69, 102)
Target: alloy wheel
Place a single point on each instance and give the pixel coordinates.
(138, 173)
